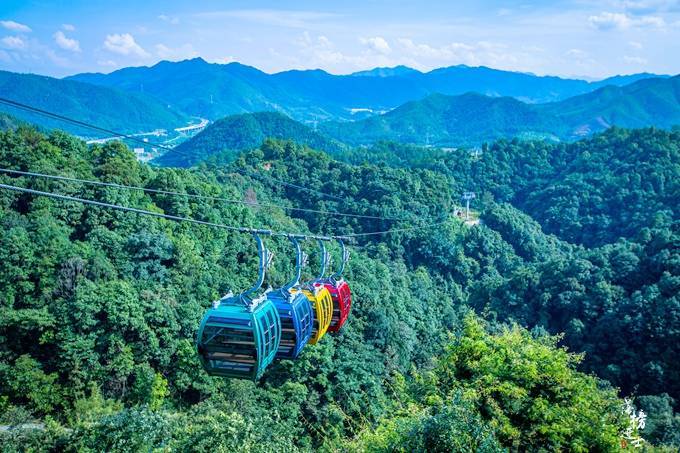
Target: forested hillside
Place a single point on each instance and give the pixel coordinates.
(589, 192)
(438, 120)
(435, 108)
(442, 120)
(472, 118)
(244, 132)
(104, 107)
(99, 308)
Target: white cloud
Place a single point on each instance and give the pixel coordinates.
(622, 21)
(222, 60)
(580, 58)
(635, 60)
(606, 21)
(107, 63)
(577, 53)
(320, 51)
(124, 44)
(68, 27)
(56, 59)
(450, 51)
(13, 42)
(169, 19)
(377, 44)
(651, 21)
(635, 45)
(183, 52)
(65, 42)
(481, 53)
(15, 26)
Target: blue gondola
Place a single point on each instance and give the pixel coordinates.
(239, 335)
(295, 311)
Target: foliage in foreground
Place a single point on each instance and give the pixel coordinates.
(508, 390)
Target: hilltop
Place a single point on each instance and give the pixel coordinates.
(243, 132)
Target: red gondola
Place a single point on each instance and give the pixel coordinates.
(340, 293)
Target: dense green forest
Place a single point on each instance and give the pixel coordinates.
(521, 334)
(590, 192)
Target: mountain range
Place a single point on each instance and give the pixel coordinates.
(439, 120)
(211, 90)
(452, 106)
(472, 118)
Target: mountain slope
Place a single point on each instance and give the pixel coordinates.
(241, 132)
(649, 102)
(194, 86)
(104, 107)
(214, 90)
(440, 119)
(472, 118)
(8, 122)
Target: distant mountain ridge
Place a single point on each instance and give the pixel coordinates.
(386, 72)
(212, 90)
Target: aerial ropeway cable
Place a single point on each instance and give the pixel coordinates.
(57, 116)
(101, 204)
(115, 134)
(239, 229)
(241, 335)
(195, 196)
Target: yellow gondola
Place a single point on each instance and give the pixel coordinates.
(320, 299)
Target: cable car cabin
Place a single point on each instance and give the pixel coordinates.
(342, 302)
(322, 303)
(297, 321)
(237, 341)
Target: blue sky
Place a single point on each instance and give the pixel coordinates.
(567, 38)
